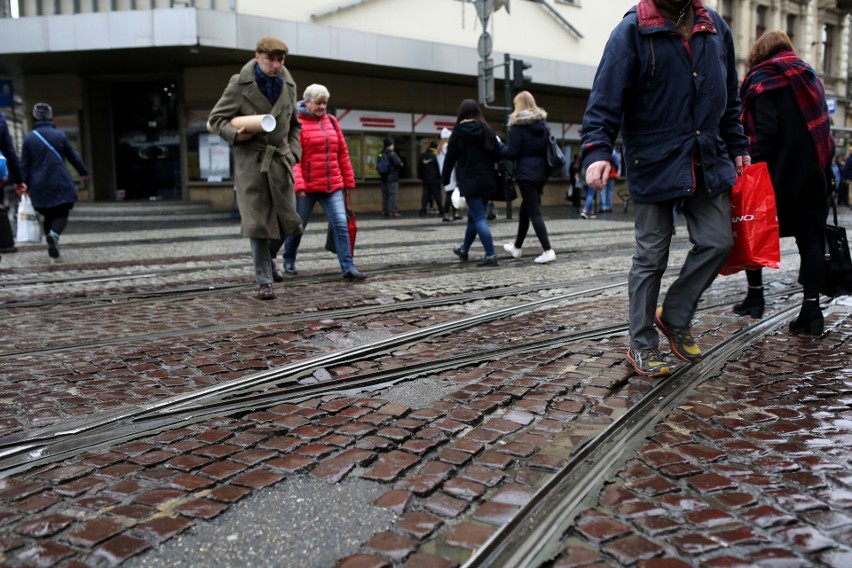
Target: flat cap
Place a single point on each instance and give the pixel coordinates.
(269, 44)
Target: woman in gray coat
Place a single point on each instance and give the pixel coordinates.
(264, 160)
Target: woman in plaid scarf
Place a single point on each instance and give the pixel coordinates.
(786, 119)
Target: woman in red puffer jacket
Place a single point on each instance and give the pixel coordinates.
(323, 175)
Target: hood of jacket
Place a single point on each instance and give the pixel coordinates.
(470, 131)
(527, 116)
(303, 111)
(651, 18)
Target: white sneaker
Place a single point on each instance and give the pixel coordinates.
(515, 252)
(546, 256)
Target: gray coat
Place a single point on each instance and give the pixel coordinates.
(264, 164)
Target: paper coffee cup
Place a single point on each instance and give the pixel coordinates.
(254, 122)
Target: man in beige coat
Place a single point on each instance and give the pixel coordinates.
(263, 160)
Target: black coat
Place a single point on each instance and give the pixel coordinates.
(428, 169)
(528, 140)
(784, 143)
(396, 165)
(473, 162)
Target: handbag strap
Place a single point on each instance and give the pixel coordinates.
(52, 149)
(833, 201)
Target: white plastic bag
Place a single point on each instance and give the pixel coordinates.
(459, 202)
(29, 228)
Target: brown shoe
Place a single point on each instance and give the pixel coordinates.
(277, 275)
(265, 292)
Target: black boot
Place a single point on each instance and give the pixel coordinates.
(753, 303)
(810, 322)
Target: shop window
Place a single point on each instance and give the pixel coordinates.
(208, 156)
(760, 28)
(70, 125)
(828, 32)
(792, 24)
(727, 12)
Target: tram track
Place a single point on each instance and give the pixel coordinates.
(534, 535)
(337, 314)
(27, 449)
(10, 286)
(22, 451)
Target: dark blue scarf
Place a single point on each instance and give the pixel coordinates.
(269, 86)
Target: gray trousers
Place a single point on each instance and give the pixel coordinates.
(708, 220)
(390, 194)
(263, 253)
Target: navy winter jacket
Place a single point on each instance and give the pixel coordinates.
(528, 139)
(49, 183)
(667, 96)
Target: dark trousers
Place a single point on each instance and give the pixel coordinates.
(448, 204)
(531, 213)
(811, 243)
(431, 192)
(55, 218)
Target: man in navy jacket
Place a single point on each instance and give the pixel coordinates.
(668, 81)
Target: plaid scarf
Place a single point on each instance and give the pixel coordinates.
(786, 69)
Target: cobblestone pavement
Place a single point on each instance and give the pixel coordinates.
(752, 469)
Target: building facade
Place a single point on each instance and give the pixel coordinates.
(132, 81)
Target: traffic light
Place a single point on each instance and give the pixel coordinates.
(519, 80)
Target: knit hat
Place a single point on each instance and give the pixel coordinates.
(445, 133)
(388, 142)
(433, 144)
(42, 111)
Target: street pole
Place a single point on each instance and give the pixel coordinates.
(507, 93)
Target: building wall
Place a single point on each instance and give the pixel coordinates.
(397, 38)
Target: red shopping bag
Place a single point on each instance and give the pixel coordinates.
(754, 222)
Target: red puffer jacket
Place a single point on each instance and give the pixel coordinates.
(325, 165)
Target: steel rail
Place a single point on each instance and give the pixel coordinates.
(372, 309)
(533, 536)
(32, 447)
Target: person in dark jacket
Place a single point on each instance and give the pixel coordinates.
(49, 184)
(786, 118)
(668, 81)
(7, 148)
(528, 139)
(473, 150)
(845, 180)
(390, 181)
(429, 172)
(325, 176)
(13, 166)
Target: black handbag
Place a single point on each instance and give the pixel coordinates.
(838, 263)
(504, 185)
(555, 157)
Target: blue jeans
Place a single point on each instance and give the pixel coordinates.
(589, 206)
(477, 224)
(606, 195)
(335, 212)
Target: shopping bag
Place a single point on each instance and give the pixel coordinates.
(754, 222)
(351, 227)
(29, 229)
(459, 202)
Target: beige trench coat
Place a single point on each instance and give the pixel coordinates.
(264, 164)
